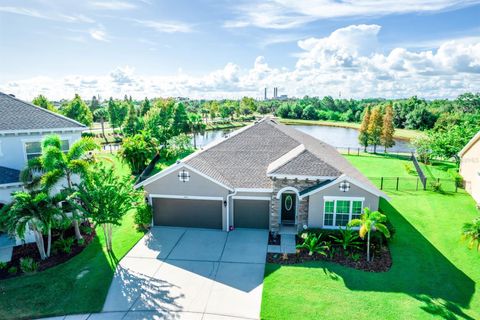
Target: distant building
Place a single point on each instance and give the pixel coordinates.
(275, 92)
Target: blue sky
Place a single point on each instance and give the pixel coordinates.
(214, 49)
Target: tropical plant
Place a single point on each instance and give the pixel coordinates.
(370, 221)
(56, 166)
(348, 239)
(313, 244)
(143, 215)
(137, 151)
(102, 115)
(196, 125)
(34, 210)
(28, 265)
(471, 232)
(12, 270)
(105, 198)
(3, 265)
(64, 244)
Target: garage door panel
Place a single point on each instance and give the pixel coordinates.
(251, 213)
(187, 213)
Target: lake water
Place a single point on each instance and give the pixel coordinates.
(338, 137)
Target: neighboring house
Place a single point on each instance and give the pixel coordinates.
(266, 175)
(470, 167)
(22, 128)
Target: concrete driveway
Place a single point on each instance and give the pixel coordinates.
(186, 273)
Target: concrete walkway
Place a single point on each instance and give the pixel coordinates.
(186, 273)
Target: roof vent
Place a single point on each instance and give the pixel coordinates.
(11, 95)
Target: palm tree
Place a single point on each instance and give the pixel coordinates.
(471, 231)
(55, 166)
(102, 114)
(196, 125)
(368, 222)
(35, 210)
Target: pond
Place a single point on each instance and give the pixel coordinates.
(342, 138)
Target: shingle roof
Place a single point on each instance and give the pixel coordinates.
(8, 175)
(307, 164)
(242, 160)
(20, 115)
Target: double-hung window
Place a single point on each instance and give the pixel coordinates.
(338, 212)
(33, 149)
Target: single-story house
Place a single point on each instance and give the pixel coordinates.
(470, 167)
(265, 175)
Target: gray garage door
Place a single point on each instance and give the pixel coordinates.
(251, 213)
(187, 213)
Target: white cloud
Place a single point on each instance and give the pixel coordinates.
(112, 5)
(286, 14)
(346, 61)
(165, 26)
(50, 16)
(99, 34)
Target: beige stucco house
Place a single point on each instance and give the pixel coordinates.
(265, 175)
(470, 167)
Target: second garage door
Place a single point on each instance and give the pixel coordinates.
(251, 213)
(187, 213)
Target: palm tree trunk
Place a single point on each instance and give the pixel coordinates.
(49, 243)
(40, 244)
(76, 227)
(102, 122)
(368, 246)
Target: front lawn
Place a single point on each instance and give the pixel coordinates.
(433, 273)
(79, 285)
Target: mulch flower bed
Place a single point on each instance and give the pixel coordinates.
(56, 257)
(274, 239)
(381, 258)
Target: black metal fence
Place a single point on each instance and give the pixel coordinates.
(414, 184)
(357, 151)
(420, 173)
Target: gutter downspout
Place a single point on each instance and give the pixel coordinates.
(228, 208)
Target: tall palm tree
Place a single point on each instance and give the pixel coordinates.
(36, 210)
(471, 231)
(102, 114)
(370, 221)
(55, 166)
(196, 125)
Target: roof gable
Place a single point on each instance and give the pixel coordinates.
(18, 115)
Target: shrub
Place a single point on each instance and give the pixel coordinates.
(457, 177)
(64, 245)
(348, 239)
(409, 168)
(28, 265)
(86, 229)
(3, 265)
(143, 215)
(12, 270)
(436, 186)
(313, 244)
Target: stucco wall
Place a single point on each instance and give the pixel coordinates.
(470, 171)
(12, 149)
(316, 202)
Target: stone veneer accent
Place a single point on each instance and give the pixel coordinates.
(302, 212)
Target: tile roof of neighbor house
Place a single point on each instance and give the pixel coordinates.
(242, 160)
(8, 175)
(18, 115)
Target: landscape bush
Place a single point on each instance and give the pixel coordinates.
(143, 216)
(28, 265)
(64, 245)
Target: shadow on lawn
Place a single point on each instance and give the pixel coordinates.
(418, 270)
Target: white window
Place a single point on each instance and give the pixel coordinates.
(338, 212)
(33, 149)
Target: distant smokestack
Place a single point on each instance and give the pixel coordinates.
(265, 94)
(275, 92)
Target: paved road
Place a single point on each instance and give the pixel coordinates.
(185, 273)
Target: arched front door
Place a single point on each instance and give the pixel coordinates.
(289, 208)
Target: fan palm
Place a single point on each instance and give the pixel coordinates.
(36, 210)
(370, 221)
(55, 165)
(471, 231)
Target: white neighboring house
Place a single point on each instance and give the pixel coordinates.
(22, 128)
(470, 167)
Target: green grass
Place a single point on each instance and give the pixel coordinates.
(79, 285)
(403, 134)
(434, 274)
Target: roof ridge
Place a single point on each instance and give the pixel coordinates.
(44, 110)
